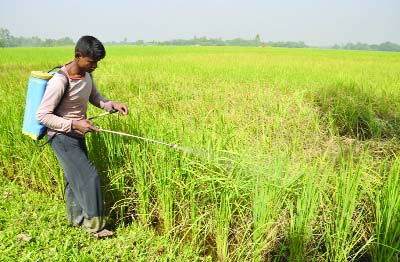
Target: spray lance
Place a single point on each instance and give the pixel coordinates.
(112, 111)
(139, 137)
(129, 135)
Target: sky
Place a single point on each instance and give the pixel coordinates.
(315, 22)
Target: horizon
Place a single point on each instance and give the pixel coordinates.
(316, 23)
(117, 42)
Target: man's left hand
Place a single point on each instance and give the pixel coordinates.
(122, 108)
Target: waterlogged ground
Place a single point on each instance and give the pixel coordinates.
(33, 227)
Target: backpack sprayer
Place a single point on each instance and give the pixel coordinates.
(35, 91)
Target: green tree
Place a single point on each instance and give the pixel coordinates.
(257, 40)
(4, 37)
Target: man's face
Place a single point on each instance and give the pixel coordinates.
(87, 63)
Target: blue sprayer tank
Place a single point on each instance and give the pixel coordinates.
(36, 88)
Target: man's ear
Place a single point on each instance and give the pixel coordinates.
(78, 54)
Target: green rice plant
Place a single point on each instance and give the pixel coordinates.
(262, 219)
(388, 216)
(223, 216)
(143, 188)
(198, 187)
(268, 197)
(358, 111)
(165, 187)
(303, 212)
(343, 217)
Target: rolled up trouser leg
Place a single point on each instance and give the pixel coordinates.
(82, 183)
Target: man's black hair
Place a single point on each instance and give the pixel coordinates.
(90, 46)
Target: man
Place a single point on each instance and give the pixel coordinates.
(63, 112)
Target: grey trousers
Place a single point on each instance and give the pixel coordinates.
(83, 196)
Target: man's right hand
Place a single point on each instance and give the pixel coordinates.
(83, 126)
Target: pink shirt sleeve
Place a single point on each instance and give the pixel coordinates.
(98, 100)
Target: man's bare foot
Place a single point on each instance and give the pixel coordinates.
(103, 233)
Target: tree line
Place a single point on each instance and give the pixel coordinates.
(386, 46)
(204, 41)
(7, 40)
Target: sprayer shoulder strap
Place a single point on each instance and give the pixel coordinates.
(66, 87)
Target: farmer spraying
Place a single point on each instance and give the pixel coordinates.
(63, 112)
